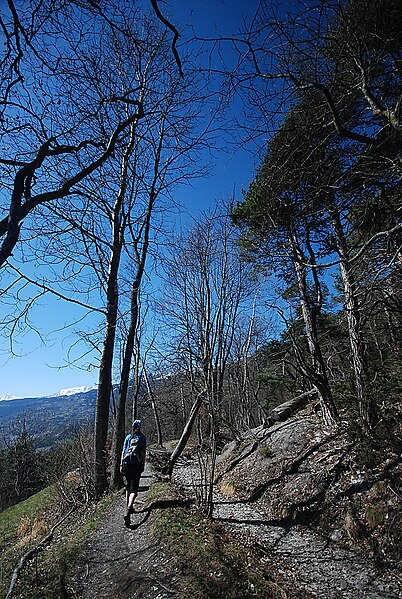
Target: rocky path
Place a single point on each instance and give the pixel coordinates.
(311, 563)
(315, 566)
(127, 563)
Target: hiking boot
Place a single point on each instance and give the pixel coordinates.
(127, 519)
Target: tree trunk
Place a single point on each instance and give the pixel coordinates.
(288, 408)
(154, 409)
(211, 470)
(106, 366)
(353, 318)
(137, 377)
(104, 388)
(309, 313)
(186, 432)
(116, 480)
(118, 437)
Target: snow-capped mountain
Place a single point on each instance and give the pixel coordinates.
(49, 418)
(72, 391)
(61, 393)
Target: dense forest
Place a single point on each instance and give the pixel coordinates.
(290, 291)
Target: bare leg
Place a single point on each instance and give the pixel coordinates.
(129, 503)
(131, 494)
(130, 500)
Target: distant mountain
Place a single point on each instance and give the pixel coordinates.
(8, 397)
(72, 391)
(48, 419)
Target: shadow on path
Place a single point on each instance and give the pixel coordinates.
(283, 524)
(159, 505)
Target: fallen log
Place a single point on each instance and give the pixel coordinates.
(288, 408)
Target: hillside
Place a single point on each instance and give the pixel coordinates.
(49, 419)
(301, 510)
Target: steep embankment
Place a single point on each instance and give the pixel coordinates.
(324, 521)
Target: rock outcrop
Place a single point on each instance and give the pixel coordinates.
(323, 508)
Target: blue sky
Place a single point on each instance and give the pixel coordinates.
(41, 368)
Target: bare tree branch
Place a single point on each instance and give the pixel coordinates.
(172, 28)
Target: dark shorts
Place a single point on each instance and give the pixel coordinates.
(133, 476)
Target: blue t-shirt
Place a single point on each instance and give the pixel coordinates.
(138, 440)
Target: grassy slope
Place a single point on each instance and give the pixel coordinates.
(23, 525)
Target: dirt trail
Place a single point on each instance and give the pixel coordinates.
(127, 563)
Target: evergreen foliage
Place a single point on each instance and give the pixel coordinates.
(327, 196)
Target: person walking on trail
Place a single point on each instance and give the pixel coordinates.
(132, 465)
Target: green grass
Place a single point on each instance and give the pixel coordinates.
(212, 563)
(30, 508)
(23, 525)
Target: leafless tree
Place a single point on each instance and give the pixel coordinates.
(207, 287)
(48, 149)
(128, 82)
(245, 400)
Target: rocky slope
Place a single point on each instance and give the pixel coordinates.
(324, 510)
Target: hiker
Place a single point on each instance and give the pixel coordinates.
(132, 465)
